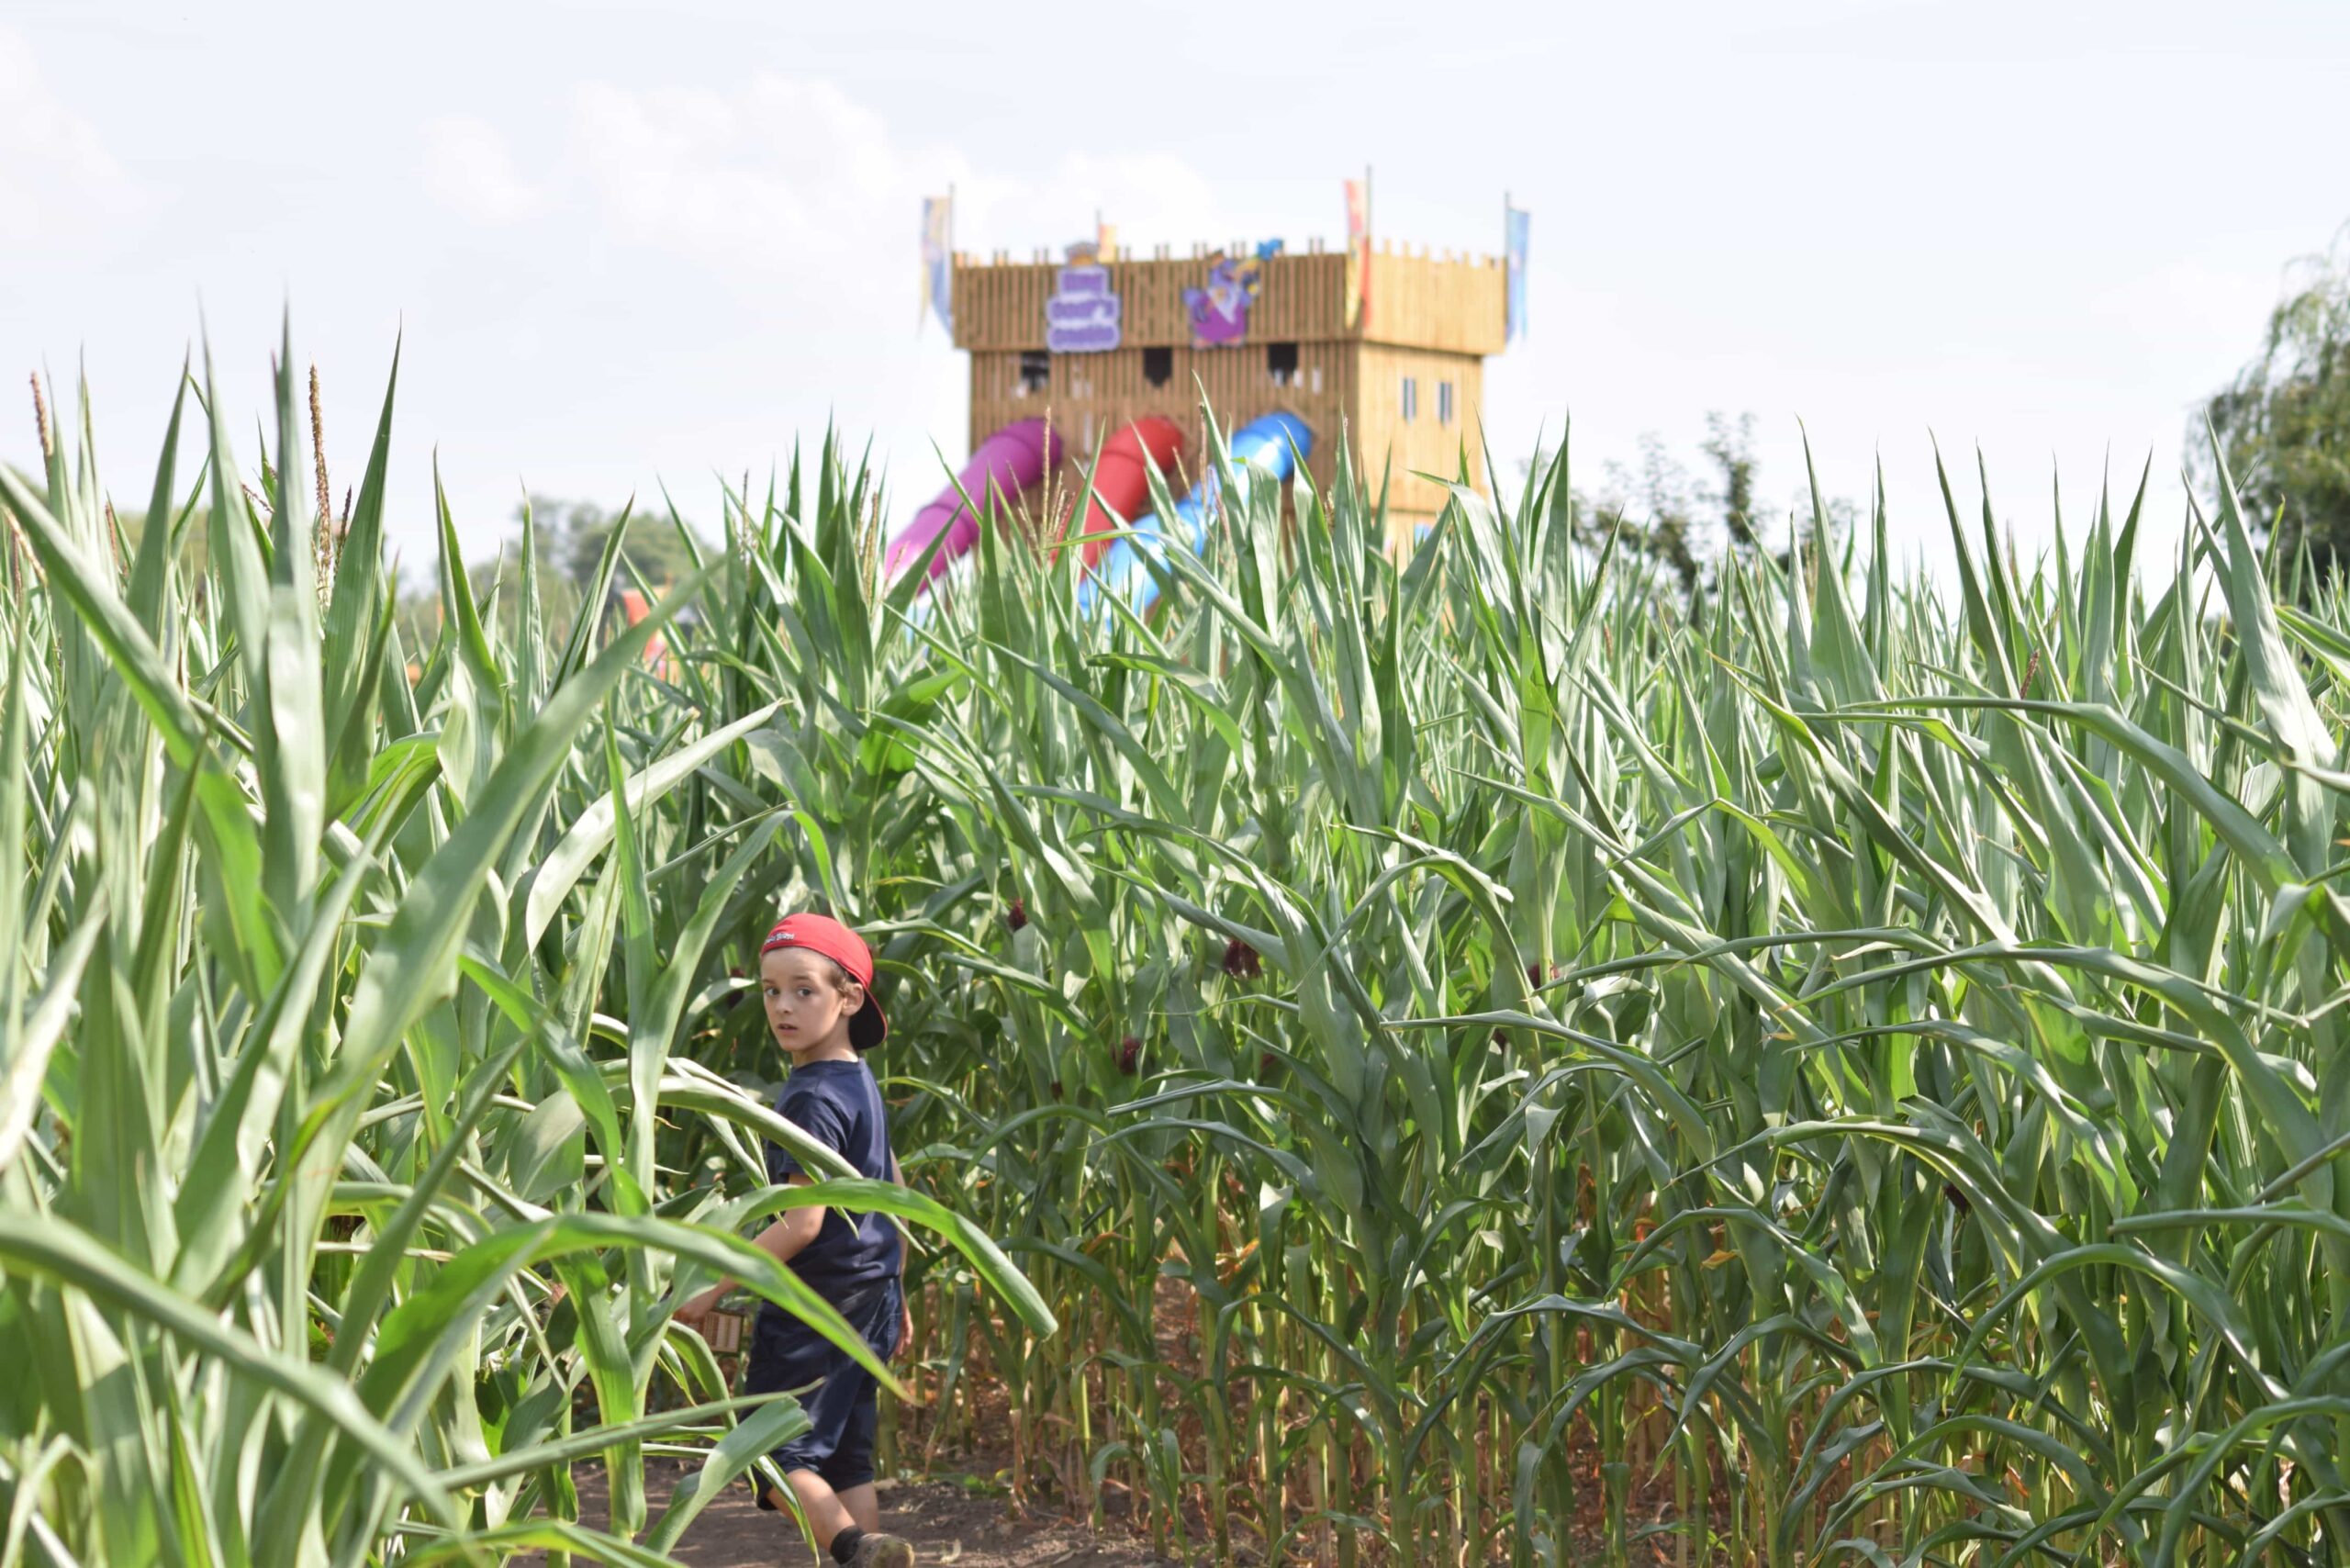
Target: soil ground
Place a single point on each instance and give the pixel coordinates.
(947, 1523)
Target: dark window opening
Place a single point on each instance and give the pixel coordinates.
(1036, 371)
(1158, 366)
(1281, 363)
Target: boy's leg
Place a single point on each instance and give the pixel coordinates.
(826, 1511)
(785, 1353)
(864, 1506)
(830, 1466)
(849, 1473)
(863, 1503)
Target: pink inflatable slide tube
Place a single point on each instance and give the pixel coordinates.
(1010, 461)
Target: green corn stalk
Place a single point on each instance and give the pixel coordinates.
(341, 1203)
(1842, 1052)
(1484, 1058)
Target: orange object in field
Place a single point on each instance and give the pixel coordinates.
(632, 605)
(1121, 480)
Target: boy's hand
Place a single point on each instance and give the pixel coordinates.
(697, 1311)
(905, 1328)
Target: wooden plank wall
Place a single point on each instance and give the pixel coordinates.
(1457, 304)
(1425, 444)
(1432, 317)
(1439, 302)
(1090, 396)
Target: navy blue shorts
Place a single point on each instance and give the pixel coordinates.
(843, 1407)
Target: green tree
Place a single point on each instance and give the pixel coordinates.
(569, 538)
(1731, 448)
(2284, 424)
(1665, 512)
(1660, 508)
(572, 534)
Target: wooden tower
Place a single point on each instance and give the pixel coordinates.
(1403, 381)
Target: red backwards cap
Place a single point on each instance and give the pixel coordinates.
(829, 939)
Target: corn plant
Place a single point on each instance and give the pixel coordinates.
(1850, 1072)
(1482, 1056)
(347, 999)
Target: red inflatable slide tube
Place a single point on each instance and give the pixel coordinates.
(1122, 480)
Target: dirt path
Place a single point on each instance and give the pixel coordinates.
(946, 1524)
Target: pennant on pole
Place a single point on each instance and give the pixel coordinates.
(938, 259)
(1515, 220)
(1358, 250)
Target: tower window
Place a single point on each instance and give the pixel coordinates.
(1158, 365)
(1036, 371)
(1280, 363)
(1444, 402)
(1411, 402)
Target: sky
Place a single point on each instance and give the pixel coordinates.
(626, 247)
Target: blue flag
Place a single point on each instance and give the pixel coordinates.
(938, 258)
(1517, 218)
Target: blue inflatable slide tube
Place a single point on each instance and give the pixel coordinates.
(1263, 450)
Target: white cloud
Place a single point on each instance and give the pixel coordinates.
(469, 166)
(1165, 200)
(787, 177)
(754, 249)
(52, 165)
(780, 178)
(751, 251)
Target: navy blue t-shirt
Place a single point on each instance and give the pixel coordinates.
(839, 1104)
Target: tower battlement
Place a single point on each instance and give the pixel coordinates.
(1395, 360)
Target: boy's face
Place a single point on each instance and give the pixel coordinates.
(806, 1007)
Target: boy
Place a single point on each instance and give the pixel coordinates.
(816, 979)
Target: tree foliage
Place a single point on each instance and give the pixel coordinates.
(568, 539)
(1660, 510)
(1694, 523)
(2284, 423)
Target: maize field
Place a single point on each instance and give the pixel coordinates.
(1459, 1060)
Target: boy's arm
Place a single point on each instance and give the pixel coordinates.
(904, 1236)
(792, 1230)
(905, 1306)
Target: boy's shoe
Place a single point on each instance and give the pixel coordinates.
(881, 1550)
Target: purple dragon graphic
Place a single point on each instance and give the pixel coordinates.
(1220, 311)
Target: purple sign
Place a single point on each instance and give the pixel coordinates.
(1082, 315)
(1219, 312)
